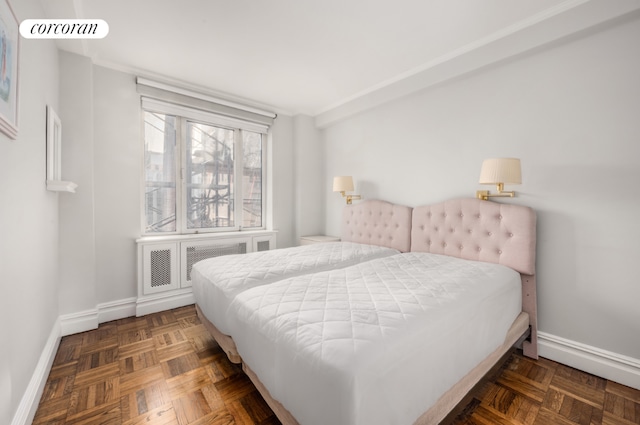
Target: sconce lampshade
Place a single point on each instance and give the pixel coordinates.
(343, 184)
(501, 170)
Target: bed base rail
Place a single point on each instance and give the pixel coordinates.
(530, 306)
(224, 341)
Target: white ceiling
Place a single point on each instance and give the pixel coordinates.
(300, 56)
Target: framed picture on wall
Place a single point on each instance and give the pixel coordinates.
(9, 54)
(54, 141)
(54, 155)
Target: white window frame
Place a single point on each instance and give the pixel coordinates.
(184, 114)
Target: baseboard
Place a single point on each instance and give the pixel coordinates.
(79, 322)
(117, 310)
(90, 319)
(154, 304)
(606, 364)
(31, 397)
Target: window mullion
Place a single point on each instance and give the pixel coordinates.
(263, 142)
(238, 177)
(181, 196)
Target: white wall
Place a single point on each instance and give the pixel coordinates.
(77, 211)
(308, 177)
(571, 112)
(281, 179)
(117, 164)
(28, 223)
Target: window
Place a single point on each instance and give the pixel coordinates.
(203, 172)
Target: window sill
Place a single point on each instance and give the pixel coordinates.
(209, 235)
(61, 186)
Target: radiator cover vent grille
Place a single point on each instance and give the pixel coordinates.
(160, 268)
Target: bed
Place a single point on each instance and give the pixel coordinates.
(398, 339)
(371, 229)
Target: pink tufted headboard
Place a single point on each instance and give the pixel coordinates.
(485, 231)
(377, 223)
(477, 230)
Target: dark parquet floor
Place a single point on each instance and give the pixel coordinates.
(165, 369)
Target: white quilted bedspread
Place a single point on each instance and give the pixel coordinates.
(216, 281)
(378, 342)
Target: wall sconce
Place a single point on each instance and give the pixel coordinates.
(344, 184)
(499, 171)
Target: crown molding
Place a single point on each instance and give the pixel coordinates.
(551, 25)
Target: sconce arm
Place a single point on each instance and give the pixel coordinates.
(350, 198)
(485, 195)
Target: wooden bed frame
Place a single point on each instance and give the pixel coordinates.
(466, 228)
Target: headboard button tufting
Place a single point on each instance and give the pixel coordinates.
(474, 229)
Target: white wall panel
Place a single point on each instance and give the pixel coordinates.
(309, 178)
(77, 211)
(117, 168)
(281, 180)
